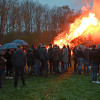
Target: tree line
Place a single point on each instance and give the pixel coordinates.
(31, 17)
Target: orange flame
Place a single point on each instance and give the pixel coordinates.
(84, 26)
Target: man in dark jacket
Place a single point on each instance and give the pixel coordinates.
(69, 56)
(36, 59)
(86, 59)
(75, 58)
(19, 62)
(30, 60)
(94, 63)
(80, 56)
(56, 58)
(98, 56)
(50, 51)
(43, 57)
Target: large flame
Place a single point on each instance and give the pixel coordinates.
(85, 26)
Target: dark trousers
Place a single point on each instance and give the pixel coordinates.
(94, 71)
(51, 66)
(75, 63)
(19, 71)
(0, 78)
(69, 61)
(56, 64)
(44, 68)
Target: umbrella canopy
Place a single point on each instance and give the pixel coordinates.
(21, 42)
(9, 46)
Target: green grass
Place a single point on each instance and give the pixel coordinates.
(63, 87)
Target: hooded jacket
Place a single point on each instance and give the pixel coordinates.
(19, 58)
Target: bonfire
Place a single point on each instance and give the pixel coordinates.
(85, 30)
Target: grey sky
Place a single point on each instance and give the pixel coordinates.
(73, 4)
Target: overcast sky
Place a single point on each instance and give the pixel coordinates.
(73, 4)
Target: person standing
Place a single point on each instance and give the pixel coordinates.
(69, 56)
(65, 58)
(37, 63)
(30, 60)
(50, 51)
(80, 57)
(56, 58)
(94, 63)
(44, 57)
(19, 62)
(86, 59)
(9, 65)
(75, 58)
(2, 65)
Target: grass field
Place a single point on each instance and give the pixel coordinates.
(68, 86)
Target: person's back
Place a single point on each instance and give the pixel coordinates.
(30, 60)
(86, 59)
(80, 53)
(30, 57)
(56, 58)
(94, 56)
(19, 58)
(94, 63)
(80, 57)
(75, 58)
(86, 54)
(65, 55)
(69, 52)
(50, 57)
(43, 54)
(43, 57)
(98, 54)
(50, 51)
(65, 58)
(56, 54)
(19, 62)
(75, 52)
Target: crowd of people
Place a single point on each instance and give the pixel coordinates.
(42, 61)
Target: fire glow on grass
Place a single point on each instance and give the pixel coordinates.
(87, 24)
